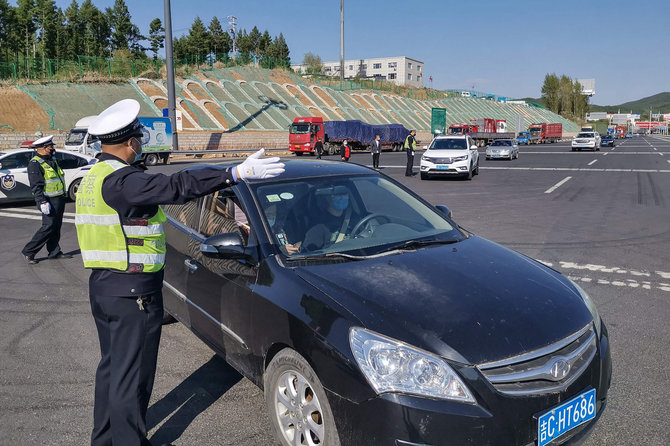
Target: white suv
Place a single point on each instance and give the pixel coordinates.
(450, 155)
(586, 140)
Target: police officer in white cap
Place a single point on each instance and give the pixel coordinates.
(47, 183)
(120, 231)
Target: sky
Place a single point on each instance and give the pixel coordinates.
(500, 47)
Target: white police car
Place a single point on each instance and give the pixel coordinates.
(14, 184)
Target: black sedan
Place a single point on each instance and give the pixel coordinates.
(368, 316)
(607, 140)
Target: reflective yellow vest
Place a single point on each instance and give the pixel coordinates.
(131, 245)
(407, 142)
(54, 179)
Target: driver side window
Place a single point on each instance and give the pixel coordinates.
(223, 213)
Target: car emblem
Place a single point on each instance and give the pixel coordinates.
(559, 369)
(8, 182)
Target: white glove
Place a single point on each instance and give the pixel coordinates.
(45, 208)
(257, 168)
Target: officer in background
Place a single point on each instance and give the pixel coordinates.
(47, 182)
(410, 146)
(120, 231)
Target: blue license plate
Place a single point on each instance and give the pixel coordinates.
(565, 417)
(442, 167)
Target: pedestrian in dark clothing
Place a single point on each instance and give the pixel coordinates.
(47, 182)
(345, 151)
(120, 231)
(376, 149)
(318, 148)
(410, 146)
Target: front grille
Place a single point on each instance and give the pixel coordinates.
(549, 369)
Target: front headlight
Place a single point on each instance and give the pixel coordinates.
(591, 306)
(426, 158)
(460, 158)
(391, 366)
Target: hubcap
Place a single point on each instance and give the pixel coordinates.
(298, 410)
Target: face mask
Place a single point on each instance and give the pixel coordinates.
(341, 202)
(137, 155)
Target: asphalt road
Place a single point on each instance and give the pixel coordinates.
(602, 218)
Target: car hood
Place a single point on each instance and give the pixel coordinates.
(445, 153)
(471, 302)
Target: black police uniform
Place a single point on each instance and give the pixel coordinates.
(49, 233)
(129, 335)
(410, 156)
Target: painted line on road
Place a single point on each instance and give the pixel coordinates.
(575, 169)
(592, 163)
(557, 185)
(35, 211)
(638, 280)
(31, 217)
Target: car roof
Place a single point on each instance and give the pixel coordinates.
(26, 149)
(451, 137)
(298, 169)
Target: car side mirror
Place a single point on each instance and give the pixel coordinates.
(445, 210)
(425, 147)
(228, 245)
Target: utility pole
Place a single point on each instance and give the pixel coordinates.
(233, 33)
(169, 67)
(341, 39)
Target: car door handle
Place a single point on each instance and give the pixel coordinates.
(192, 267)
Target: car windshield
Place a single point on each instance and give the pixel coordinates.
(300, 128)
(359, 216)
(586, 135)
(448, 144)
(502, 143)
(75, 137)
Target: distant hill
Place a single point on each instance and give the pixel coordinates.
(658, 102)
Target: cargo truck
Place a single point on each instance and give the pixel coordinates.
(483, 130)
(306, 131)
(523, 138)
(156, 139)
(542, 133)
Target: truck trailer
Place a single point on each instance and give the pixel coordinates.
(306, 131)
(483, 130)
(542, 133)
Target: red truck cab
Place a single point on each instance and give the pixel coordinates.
(304, 133)
(459, 129)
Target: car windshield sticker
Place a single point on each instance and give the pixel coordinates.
(286, 195)
(7, 182)
(272, 198)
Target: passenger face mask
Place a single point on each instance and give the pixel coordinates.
(340, 202)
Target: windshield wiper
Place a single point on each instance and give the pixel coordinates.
(328, 256)
(411, 244)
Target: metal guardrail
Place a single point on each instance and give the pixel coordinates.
(213, 152)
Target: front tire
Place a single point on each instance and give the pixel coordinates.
(74, 187)
(151, 159)
(424, 176)
(297, 403)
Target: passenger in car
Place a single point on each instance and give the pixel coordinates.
(330, 225)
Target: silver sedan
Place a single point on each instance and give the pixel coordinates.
(503, 148)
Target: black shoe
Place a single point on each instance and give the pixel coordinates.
(61, 255)
(31, 259)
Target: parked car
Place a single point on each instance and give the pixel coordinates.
(401, 328)
(586, 140)
(14, 184)
(450, 155)
(608, 140)
(503, 148)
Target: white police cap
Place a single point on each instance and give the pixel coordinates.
(118, 122)
(43, 142)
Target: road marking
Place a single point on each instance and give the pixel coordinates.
(31, 217)
(35, 211)
(592, 163)
(604, 154)
(621, 281)
(573, 169)
(557, 185)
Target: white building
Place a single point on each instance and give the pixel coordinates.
(401, 70)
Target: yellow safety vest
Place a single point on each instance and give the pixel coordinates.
(54, 179)
(131, 245)
(407, 142)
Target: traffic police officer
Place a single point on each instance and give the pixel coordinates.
(120, 231)
(47, 183)
(410, 146)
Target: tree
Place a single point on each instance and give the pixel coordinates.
(264, 43)
(8, 29)
(120, 24)
(156, 36)
(25, 17)
(580, 101)
(219, 39)
(75, 30)
(550, 92)
(46, 20)
(565, 93)
(198, 38)
(254, 38)
(97, 30)
(279, 51)
(243, 43)
(313, 63)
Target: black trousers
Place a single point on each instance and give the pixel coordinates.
(129, 339)
(49, 233)
(410, 163)
(375, 160)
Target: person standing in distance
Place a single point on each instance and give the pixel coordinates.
(47, 182)
(410, 146)
(120, 231)
(345, 151)
(376, 149)
(318, 148)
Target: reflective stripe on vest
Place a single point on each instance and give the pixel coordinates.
(133, 245)
(54, 182)
(407, 142)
